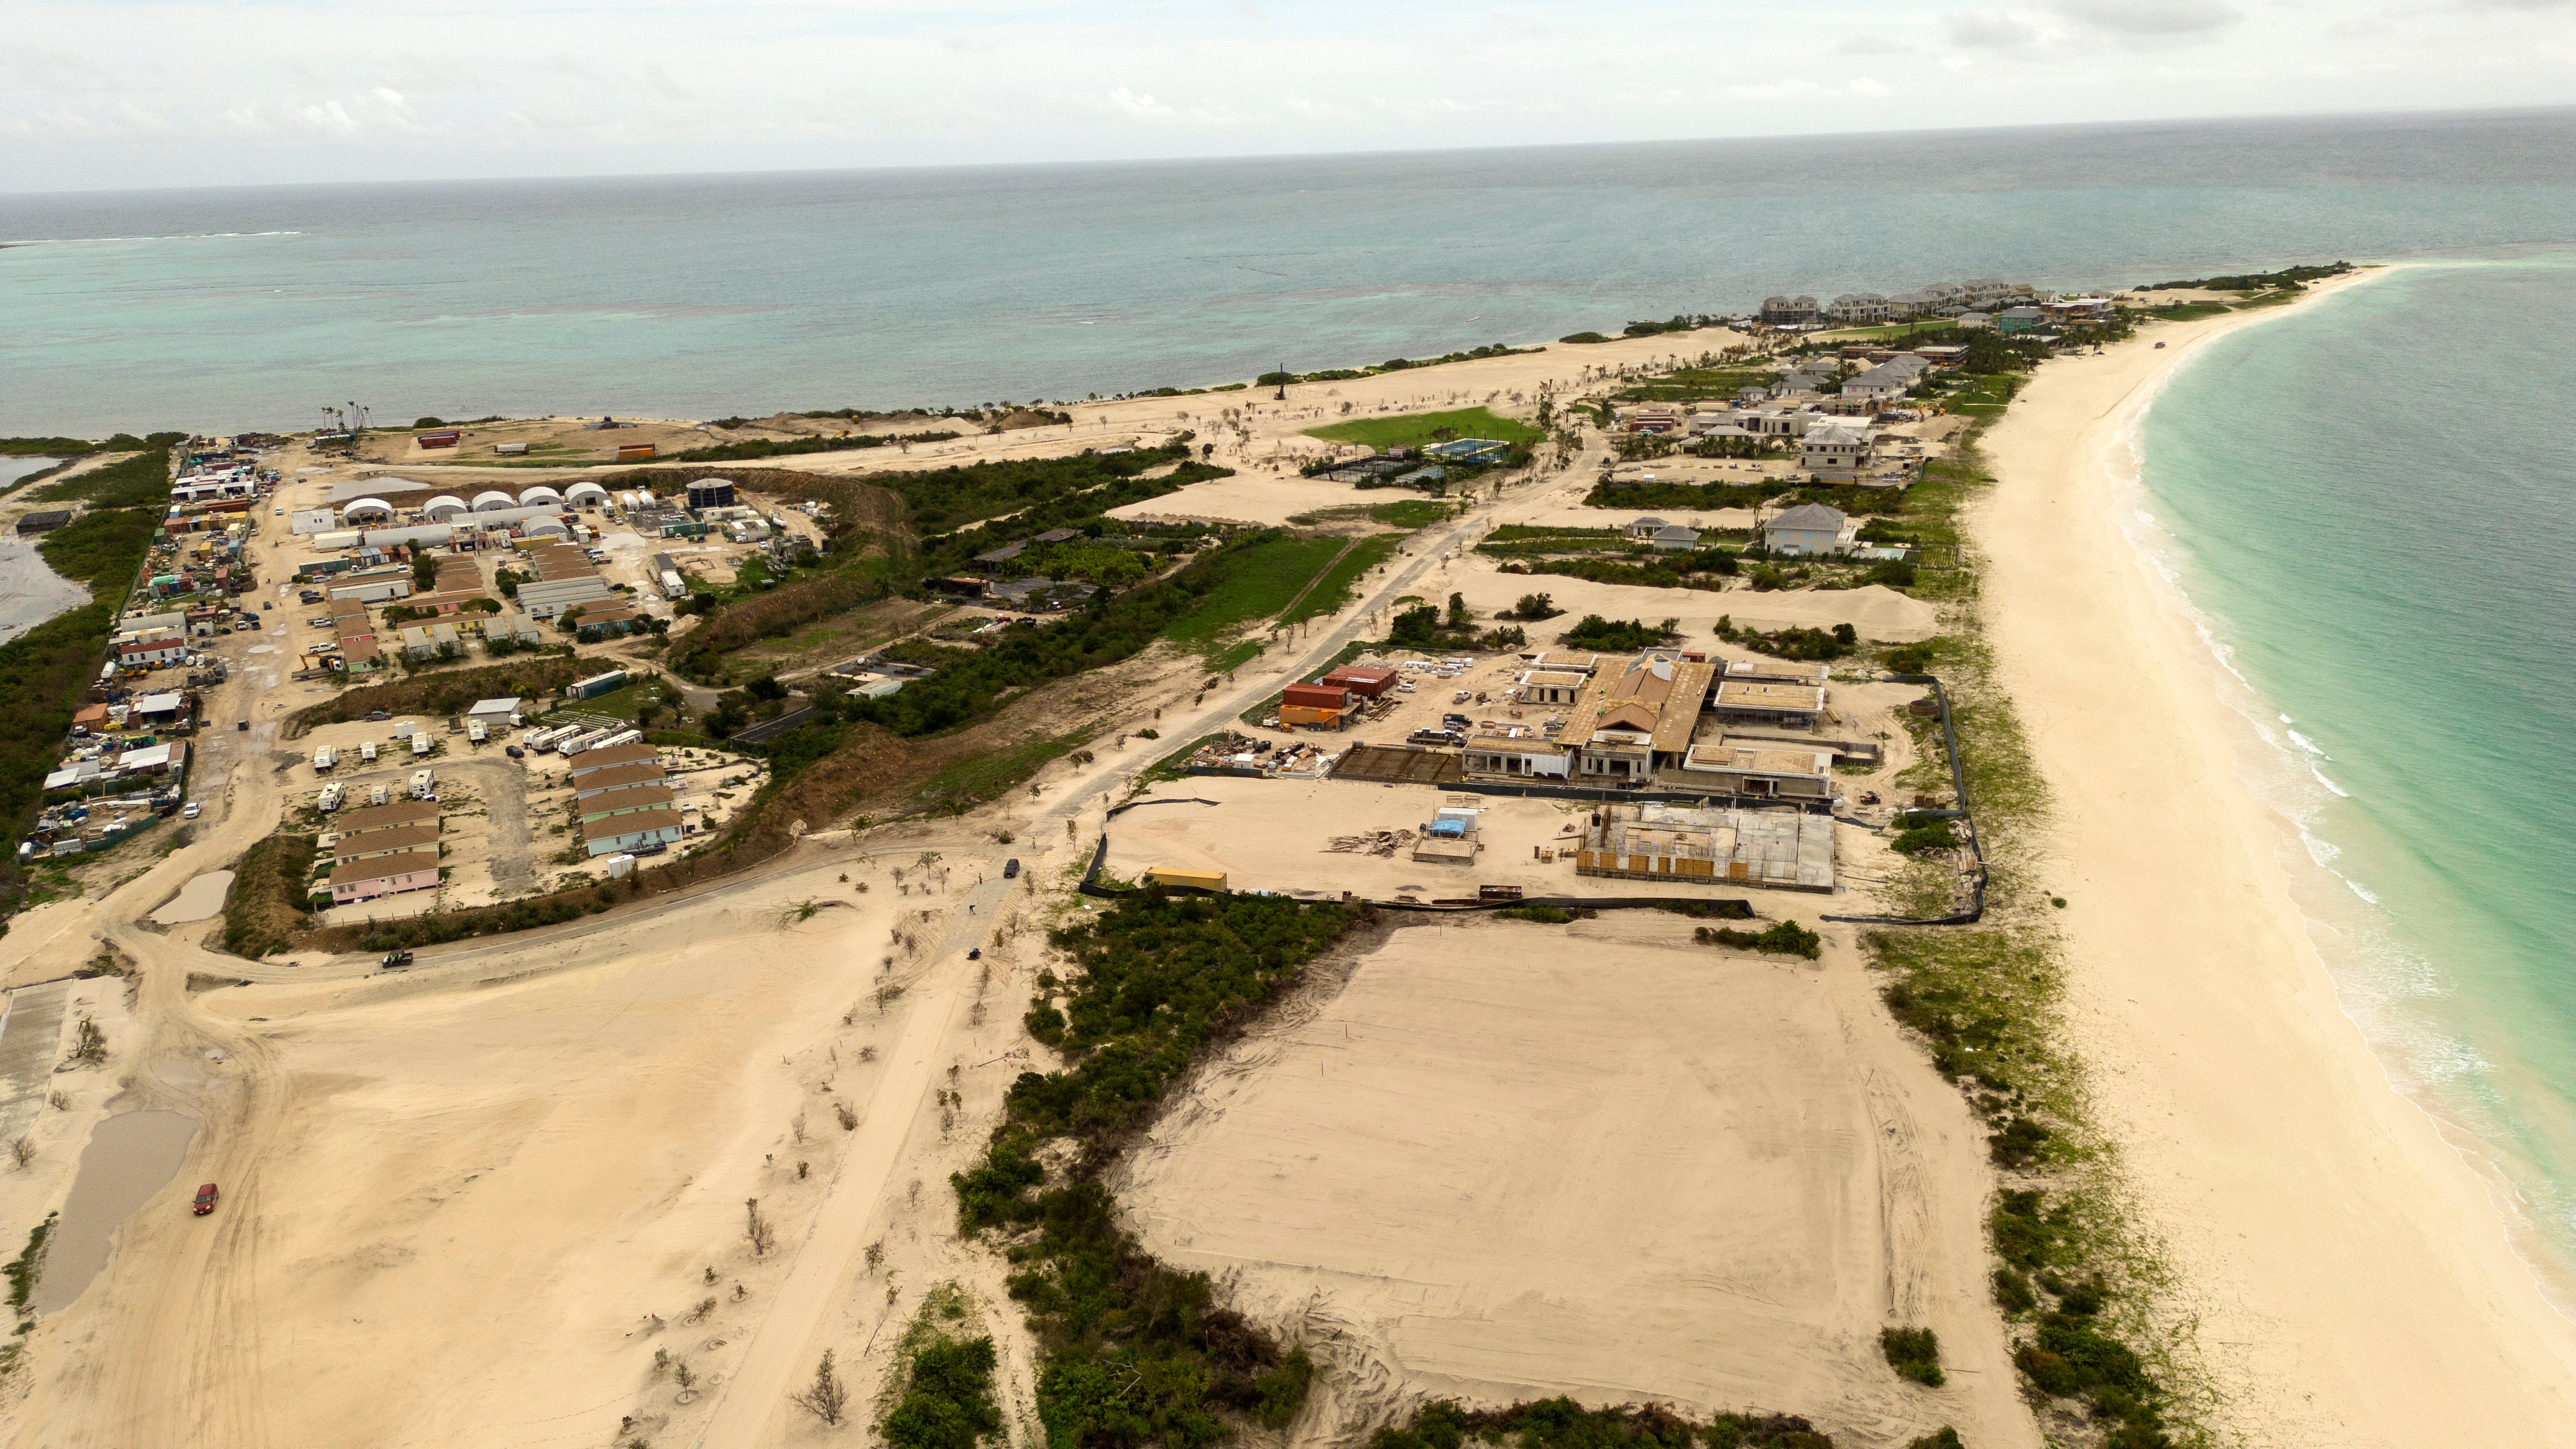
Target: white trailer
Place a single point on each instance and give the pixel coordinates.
(376, 794)
(420, 743)
(324, 758)
(367, 753)
(332, 795)
(475, 733)
(423, 782)
(621, 737)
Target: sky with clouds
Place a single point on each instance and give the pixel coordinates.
(107, 94)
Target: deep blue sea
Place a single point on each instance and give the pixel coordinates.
(2372, 504)
(700, 296)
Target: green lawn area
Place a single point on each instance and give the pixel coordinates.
(1259, 583)
(1693, 384)
(1334, 589)
(621, 702)
(1877, 334)
(1407, 514)
(1413, 430)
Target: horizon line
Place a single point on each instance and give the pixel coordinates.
(8, 193)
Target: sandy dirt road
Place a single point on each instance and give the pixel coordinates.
(777, 1358)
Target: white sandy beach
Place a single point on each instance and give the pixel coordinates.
(2342, 1273)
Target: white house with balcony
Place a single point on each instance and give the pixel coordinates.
(1811, 530)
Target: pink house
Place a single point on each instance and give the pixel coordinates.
(384, 875)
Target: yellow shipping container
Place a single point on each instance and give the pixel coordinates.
(1167, 875)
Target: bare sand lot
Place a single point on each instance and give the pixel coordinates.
(1555, 512)
(1256, 496)
(1509, 1160)
(548, 1150)
(1274, 835)
(1876, 611)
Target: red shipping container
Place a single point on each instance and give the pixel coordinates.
(1315, 696)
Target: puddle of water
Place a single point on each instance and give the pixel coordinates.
(130, 1157)
(198, 900)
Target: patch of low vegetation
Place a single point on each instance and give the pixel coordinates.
(1793, 642)
(1134, 1352)
(447, 692)
(1915, 1353)
(946, 1401)
(1920, 833)
(1561, 1423)
(141, 481)
(1786, 938)
(2286, 279)
(1335, 586)
(751, 448)
(1618, 635)
(1419, 430)
(268, 907)
(1545, 915)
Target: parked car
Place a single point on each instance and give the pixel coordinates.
(377, 716)
(1011, 868)
(241, 724)
(205, 1199)
(192, 812)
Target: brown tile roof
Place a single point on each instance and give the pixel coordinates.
(382, 866)
(380, 842)
(642, 797)
(588, 761)
(614, 825)
(400, 814)
(619, 777)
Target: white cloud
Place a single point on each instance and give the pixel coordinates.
(179, 92)
(1988, 30)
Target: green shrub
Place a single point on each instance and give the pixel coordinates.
(1787, 938)
(1915, 1353)
(1546, 915)
(2017, 1144)
(1616, 636)
(947, 1400)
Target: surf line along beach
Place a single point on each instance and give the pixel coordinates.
(2342, 1274)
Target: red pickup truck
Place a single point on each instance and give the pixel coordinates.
(205, 1199)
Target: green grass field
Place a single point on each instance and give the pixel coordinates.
(1334, 589)
(1413, 430)
(1881, 334)
(1259, 583)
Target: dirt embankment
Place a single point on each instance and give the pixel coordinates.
(450, 691)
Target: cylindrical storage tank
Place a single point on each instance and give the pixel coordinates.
(442, 508)
(486, 502)
(581, 495)
(538, 496)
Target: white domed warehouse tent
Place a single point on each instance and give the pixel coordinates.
(486, 502)
(538, 495)
(544, 528)
(366, 510)
(637, 499)
(584, 494)
(444, 507)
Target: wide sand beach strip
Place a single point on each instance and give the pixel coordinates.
(2343, 1275)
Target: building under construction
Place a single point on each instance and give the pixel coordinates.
(1782, 850)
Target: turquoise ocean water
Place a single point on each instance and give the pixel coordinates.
(706, 295)
(2371, 503)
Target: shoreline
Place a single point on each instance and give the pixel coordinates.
(2265, 1145)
